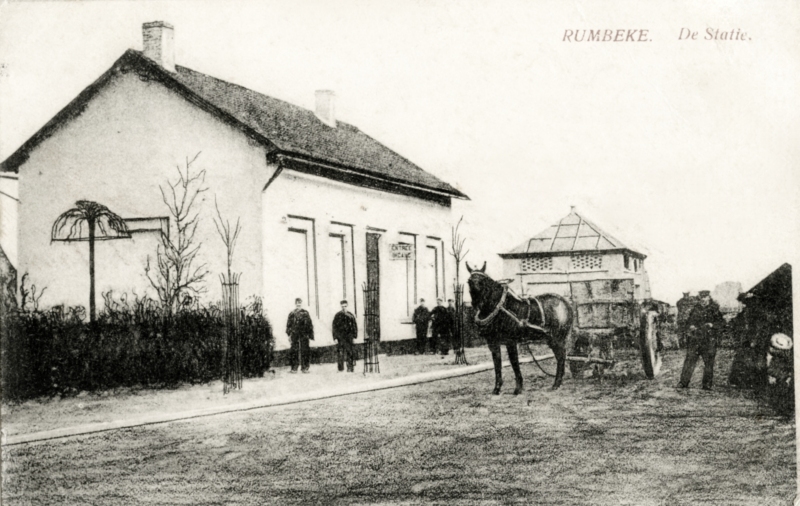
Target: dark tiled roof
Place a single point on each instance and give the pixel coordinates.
(291, 129)
(570, 234)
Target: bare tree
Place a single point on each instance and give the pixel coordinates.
(457, 247)
(176, 277)
(227, 235)
(458, 253)
(232, 377)
(100, 224)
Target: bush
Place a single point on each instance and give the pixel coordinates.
(57, 352)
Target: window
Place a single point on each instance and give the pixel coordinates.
(141, 225)
(340, 268)
(537, 264)
(433, 269)
(299, 261)
(337, 265)
(586, 262)
(431, 272)
(298, 271)
(627, 261)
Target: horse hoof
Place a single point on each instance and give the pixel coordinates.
(517, 391)
(556, 386)
(496, 391)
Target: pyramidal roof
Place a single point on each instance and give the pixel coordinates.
(571, 233)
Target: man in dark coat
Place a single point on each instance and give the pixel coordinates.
(420, 318)
(442, 324)
(684, 305)
(451, 309)
(704, 323)
(345, 330)
(300, 330)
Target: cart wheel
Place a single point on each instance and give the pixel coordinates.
(648, 344)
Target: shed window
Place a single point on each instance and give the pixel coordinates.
(587, 262)
(537, 264)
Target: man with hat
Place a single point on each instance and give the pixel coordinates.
(704, 323)
(300, 330)
(442, 324)
(451, 309)
(421, 318)
(345, 330)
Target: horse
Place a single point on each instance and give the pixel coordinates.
(502, 317)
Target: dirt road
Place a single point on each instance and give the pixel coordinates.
(625, 441)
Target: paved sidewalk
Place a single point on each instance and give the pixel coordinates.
(40, 420)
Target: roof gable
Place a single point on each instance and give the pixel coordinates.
(572, 233)
(279, 125)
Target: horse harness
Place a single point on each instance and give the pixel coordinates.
(522, 322)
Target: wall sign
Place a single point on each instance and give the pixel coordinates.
(401, 251)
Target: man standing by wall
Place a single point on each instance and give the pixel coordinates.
(684, 306)
(345, 330)
(300, 330)
(442, 327)
(704, 323)
(454, 338)
(420, 318)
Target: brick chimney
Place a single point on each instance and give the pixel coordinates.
(326, 111)
(159, 43)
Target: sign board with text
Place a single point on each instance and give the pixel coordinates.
(402, 251)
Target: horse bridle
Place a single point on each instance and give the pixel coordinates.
(501, 306)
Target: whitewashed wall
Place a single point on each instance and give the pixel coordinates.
(126, 143)
(555, 280)
(9, 207)
(129, 141)
(295, 199)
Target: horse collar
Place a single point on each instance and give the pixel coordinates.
(486, 321)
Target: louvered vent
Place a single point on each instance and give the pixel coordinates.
(537, 264)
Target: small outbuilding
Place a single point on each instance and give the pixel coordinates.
(605, 280)
(767, 311)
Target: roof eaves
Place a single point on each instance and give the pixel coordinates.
(333, 164)
(337, 172)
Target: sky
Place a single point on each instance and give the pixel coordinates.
(686, 150)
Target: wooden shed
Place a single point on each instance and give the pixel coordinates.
(767, 311)
(605, 280)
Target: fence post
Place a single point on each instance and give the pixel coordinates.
(232, 373)
(372, 331)
(458, 326)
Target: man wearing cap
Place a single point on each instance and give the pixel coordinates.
(345, 330)
(442, 325)
(704, 323)
(300, 330)
(420, 318)
(451, 309)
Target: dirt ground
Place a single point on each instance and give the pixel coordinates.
(625, 441)
(121, 404)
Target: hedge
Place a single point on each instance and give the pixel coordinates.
(57, 352)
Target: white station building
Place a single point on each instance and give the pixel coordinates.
(324, 208)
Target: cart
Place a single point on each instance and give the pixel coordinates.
(580, 358)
